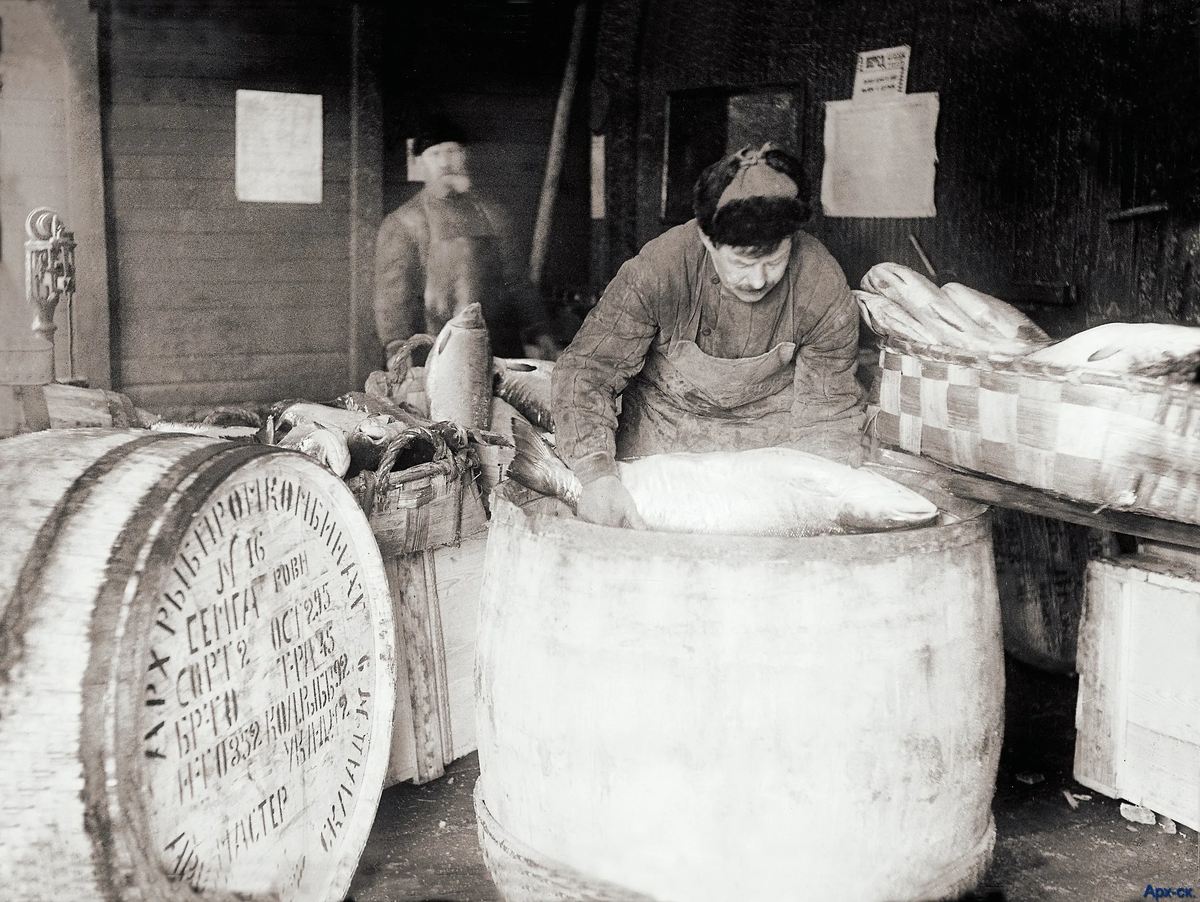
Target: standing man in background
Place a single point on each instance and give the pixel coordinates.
(447, 248)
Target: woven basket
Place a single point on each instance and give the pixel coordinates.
(1123, 442)
(423, 507)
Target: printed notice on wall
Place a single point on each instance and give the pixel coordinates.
(881, 73)
(278, 147)
(880, 158)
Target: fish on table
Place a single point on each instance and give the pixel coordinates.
(766, 491)
(899, 302)
(889, 319)
(919, 296)
(1144, 349)
(994, 315)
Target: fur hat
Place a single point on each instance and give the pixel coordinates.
(436, 130)
(752, 198)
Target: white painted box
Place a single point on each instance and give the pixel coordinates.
(1137, 717)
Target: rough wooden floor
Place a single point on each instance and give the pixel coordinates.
(423, 846)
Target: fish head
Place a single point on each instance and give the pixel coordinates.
(470, 317)
(877, 504)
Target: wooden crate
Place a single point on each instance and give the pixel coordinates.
(435, 599)
(431, 527)
(1138, 713)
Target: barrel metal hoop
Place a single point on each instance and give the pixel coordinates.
(34, 569)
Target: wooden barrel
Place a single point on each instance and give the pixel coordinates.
(196, 670)
(665, 717)
(1041, 567)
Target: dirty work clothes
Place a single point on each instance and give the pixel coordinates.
(699, 370)
(435, 255)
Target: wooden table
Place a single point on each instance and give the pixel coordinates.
(996, 492)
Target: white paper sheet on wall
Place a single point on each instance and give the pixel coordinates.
(597, 176)
(279, 147)
(880, 157)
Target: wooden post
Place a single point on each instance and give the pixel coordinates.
(558, 147)
(366, 189)
(88, 355)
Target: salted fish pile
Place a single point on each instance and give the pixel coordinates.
(762, 492)
(899, 302)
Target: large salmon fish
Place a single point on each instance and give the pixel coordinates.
(768, 491)
(919, 296)
(899, 302)
(993, 314)
(1160, 350)
(458, 371)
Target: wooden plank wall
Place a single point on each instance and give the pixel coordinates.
(50, 156)
(218, 300)
(1055, 115)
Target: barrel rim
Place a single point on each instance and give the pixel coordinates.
(550, 520)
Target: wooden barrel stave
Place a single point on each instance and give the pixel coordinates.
(43, 628)
(675, 715)
(78, 615)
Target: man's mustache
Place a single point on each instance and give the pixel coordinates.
(457, 182)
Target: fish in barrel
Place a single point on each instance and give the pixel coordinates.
(760, 492)
(458, 371)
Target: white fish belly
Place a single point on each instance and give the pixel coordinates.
(770, 491)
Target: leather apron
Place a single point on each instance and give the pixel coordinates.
(687, 400)
(463, 264)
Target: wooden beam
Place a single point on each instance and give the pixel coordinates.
(1034, 501)
(366, 187)
(89, 346)
(558, 149)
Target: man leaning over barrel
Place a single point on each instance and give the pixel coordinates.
(735, 330)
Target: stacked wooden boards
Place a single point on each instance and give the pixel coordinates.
(431, 527)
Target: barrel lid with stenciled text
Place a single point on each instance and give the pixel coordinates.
(197, 670)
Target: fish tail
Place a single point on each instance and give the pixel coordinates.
(536, 466)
